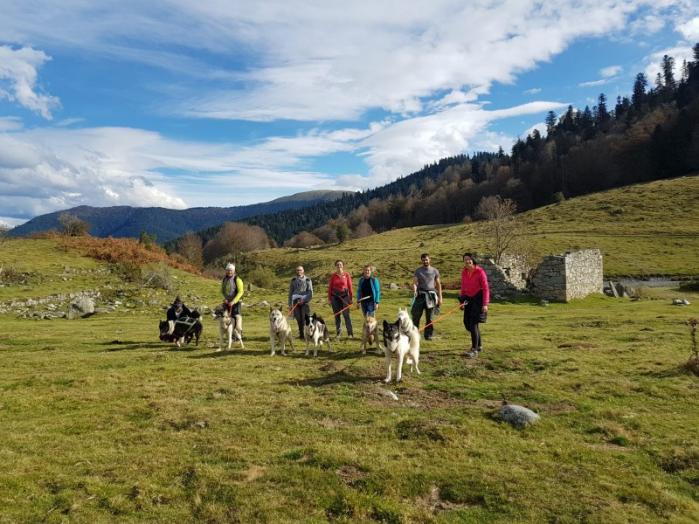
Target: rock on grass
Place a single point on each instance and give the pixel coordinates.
(518, 416)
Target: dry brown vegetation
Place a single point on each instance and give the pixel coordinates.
(116, 250)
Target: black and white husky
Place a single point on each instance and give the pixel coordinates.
(316, 332)
(395, 341)
(279, 330)
(182, 330)
(227, 328)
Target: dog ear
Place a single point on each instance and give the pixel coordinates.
(385, 324)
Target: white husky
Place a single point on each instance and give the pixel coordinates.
(279, 330)
(395, 341)
(228, 330)
(405, 323)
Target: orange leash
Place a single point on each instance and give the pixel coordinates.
(450, 312)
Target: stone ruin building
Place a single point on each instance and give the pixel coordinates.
(559, 278)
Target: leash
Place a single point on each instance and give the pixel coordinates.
(450, 312)
(293, 307)
(348, 305)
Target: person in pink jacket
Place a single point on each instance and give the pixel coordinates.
(474, 298)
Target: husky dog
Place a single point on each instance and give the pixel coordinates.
(370, 334)
(395, 341)
(181, 331)
(279, 329)
(316, 332)
(228, 330)
(405, 323)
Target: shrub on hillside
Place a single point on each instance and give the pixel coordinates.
(235, 238)
(158, 276)
(303, 239)
(261, 277)
(73, 226)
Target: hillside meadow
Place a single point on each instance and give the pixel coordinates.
(642, 230)
(101, 422)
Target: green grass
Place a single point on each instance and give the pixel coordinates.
(100, 422)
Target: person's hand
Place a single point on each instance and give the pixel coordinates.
(462, 305)
(376, 307)
(484, 309)
(439, 301)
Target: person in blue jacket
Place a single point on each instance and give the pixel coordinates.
(368, 286)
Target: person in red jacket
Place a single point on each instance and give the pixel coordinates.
(340, 296)
(474, 298)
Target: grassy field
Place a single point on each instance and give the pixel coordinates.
(100, 422)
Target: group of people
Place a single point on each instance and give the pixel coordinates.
(474, 297)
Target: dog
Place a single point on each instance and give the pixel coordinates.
(316, 332)
(395, 341)
(370, 334)
(405, 323)
(227, 328)
(279, 330)
(181, 331)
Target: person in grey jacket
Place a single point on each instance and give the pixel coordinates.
(300, 294)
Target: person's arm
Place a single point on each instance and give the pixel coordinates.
(438, 285)
(348, 279)
(239, 291)
(414, 285)
(486, 290)
(309, 290)
(377, 291)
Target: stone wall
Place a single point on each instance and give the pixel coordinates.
(562, 278)
(508, 279)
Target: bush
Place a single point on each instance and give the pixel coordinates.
(158, 277)
(559, 197)
(261, 277)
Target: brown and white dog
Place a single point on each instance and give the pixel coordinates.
(370, 334)
(279, 330)
(228, 330)
(316, 332)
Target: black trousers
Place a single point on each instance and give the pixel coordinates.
(420, 305)
(338, 302)
(300, 313)
(472, 317)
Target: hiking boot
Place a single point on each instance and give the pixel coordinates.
(472, 353)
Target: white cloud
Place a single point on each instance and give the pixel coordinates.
(690, 29)
(18, 74)
(594, 83)
(10, 123)
(654, 61)
(610, 71)
(318, 62)
(408, 145)
(533, 91)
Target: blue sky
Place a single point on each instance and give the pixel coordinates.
(177, 104)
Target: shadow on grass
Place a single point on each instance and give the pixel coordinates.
(125, 345)
(338, 377)
(232, 352)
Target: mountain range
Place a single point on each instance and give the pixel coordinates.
(167, 224)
